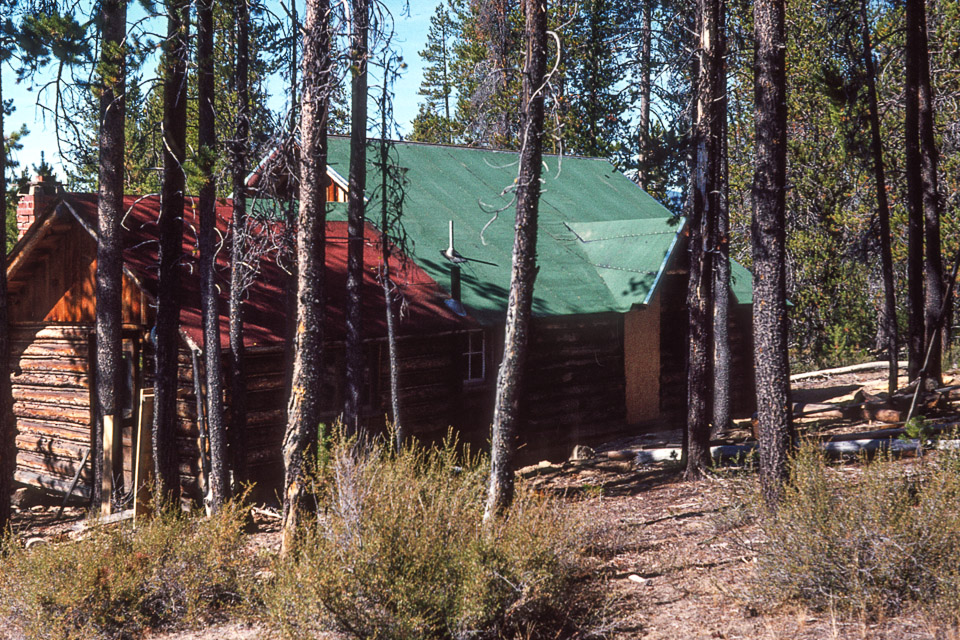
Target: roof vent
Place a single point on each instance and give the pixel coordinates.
(450, 253)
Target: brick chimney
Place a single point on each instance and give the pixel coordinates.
(41, 194)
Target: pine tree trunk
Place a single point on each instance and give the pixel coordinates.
(769, 249)
(701, 226)
(889, 311)
(912, 167)
(209, 297)
(165, 423)
(238, 257)
(290, 229)
(356, 215)
(109, 319)
(506, 413)
(8, 425)
(646, 33)
(721, 243)
(399, 432)
(303, 411)
(933, 266)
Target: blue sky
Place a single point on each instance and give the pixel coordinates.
(412, 23)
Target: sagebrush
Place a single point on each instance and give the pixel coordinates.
(884, 543)
(398, 550)
(169, 572)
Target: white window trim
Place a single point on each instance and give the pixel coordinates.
(470, 353)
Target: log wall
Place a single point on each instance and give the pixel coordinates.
(51, 403)
(575, 388)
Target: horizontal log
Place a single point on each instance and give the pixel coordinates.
(52, 483)
(882, 412)
(50, 465)
(56, 447)
(50, 332)
(50, 349)
(48, 412)
(53, 429)
(65, 365)
(866, 366)
(842, 449)
(64, 396)
(75, 380)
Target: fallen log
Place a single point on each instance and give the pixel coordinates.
(882, 412)
(826, 373)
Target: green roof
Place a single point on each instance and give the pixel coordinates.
(602, 243)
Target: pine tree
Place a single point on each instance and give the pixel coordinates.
(165, 422)
(889, 314)
(933, 263)
(702, 223)
(218, 489)
(303, 411)
(109, 279)
(434, 122)
(356, 215)
(769, 248)
(239, 148)
(593, 101)
(915, 186)
(506, 413)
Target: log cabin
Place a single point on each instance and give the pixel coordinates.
(608, 342)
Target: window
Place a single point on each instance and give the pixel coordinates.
(474, 358)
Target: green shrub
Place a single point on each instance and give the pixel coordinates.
(172, 571)
(398, 550)
(889, 542)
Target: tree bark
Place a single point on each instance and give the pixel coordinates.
(506, 413)
(290, 229)
(721, 244)
(238, 257)
(768, 230)
(356, 215)
(933, 266)
(912, 167)
(174, 73)
(889, 314)
(8, 426)
(109, 284)
(303, 412)
(646, 35)
(701, 225)
(398, 430)
(219, 488)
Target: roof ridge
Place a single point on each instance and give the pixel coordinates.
(443, 145)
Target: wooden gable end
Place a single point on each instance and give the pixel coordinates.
(52, 279)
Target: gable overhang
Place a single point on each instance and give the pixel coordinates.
(133, 277)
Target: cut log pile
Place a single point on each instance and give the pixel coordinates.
(880, 407)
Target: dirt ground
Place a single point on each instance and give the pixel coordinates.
(672, 555)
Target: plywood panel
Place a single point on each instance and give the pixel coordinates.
(641, 361)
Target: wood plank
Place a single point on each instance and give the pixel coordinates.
(143, 467)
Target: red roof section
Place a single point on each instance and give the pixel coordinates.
(423, 307)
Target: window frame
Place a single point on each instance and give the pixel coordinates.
(469, 353)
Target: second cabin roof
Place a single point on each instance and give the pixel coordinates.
(603, 242)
